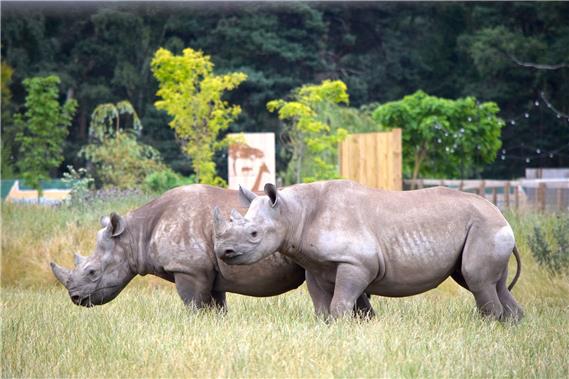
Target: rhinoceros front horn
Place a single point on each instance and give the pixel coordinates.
(219, 224)
(62, 274)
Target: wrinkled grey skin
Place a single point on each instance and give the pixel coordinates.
(352, 239)
(171, 237)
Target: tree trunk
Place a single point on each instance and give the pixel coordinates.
(419, 156)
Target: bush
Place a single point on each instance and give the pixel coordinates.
(162, 181)
(549, 244)
(122, 161)
(81, 182)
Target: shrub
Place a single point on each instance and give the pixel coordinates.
(162, 181)
(81, 182)
(552, 252)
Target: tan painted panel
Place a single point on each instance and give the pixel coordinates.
(373, 159)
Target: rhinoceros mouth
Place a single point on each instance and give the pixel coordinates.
(86, 301)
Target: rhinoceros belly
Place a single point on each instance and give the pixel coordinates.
(417, 260)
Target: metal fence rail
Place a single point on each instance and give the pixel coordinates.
(539, 194)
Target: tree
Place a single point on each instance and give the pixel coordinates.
(442, 137)
(120, 160)
(310, 140)
(42, 129)
(192, 94)
(8, 130)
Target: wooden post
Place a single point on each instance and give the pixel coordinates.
(421, 184)
(461, 185)
(517, 196)
(559, 193)
(482, 189)
(541, 197)
(494, 196)
(507, 195)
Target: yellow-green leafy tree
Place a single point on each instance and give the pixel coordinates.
(192, 94)
(309, 138)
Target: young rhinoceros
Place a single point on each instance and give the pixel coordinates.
(172, 237)
(352, 239)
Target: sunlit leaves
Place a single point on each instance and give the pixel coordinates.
(192, 95)
(312, 142)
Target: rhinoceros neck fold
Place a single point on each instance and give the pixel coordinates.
(299, 214)
(135, 253)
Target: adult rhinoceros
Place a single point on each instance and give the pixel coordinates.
(352, 239)
(171, 237)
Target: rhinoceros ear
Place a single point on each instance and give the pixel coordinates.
(246, 196)
(271, 192)
(117, 225)
(219, 224)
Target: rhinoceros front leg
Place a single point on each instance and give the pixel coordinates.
(195, 289)
(351, 282)
(321, 298)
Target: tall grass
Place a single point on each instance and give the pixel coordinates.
(147, 331)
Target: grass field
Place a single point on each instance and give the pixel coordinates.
(147, 331)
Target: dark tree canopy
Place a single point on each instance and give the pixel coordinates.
(507, 53)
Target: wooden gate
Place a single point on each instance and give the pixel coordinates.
(372, 159)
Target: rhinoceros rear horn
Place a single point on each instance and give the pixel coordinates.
(271, 192)
(78, 258)
(235, 215)
(62, 274)
(219, 224)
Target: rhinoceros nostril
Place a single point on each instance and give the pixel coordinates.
(229, 252)
(76, 299)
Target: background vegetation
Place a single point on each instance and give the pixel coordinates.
(507, 53)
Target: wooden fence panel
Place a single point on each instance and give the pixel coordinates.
(373, 159)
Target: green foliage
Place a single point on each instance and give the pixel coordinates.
(355, 120)
(442, 137)
(105, 120)
(549, 244)
(81, 183)
(381, 50)
(311, 141)
(42, 129)
(162, 181)
(8, 130)
(120, 160)
(192, 95)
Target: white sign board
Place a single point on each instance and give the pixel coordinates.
(251, 164)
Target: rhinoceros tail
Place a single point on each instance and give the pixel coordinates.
(519, 269)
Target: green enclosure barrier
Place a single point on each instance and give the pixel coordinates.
(45, 185)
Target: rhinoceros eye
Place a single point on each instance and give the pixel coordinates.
(253, 234)
(91, 272)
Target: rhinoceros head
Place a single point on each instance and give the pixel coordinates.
(99, 278)
(246, 240)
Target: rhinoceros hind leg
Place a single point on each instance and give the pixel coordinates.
(195, 290)
(488, 303)
(512, 310)
(363, 308)
(484, 258)
(219, 300)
